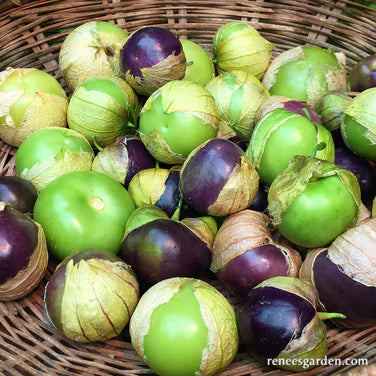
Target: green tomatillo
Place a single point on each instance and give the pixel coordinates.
(313, 201)
(177, 118)
(52, 152)
(83, 210)
(30, 99)
(184, 327)
(103, 109)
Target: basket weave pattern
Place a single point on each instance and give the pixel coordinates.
(31, 35)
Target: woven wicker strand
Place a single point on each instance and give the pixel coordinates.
(31, 35)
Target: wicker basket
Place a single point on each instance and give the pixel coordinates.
(31, 35)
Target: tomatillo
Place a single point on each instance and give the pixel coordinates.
(83, 210)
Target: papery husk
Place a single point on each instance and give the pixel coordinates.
(112, 161)
(143, 215)
(46, 110)
(244, 49)
(310, 347)
(301, 287)
(96, 114)
(364, 213)
(81, 56)
(219, 317)
(203, 227)
(57, 165)
(157, 295)
(354, 253)
(171, 68)
(270, 104)
(147, 186)
(241, 231)
(361, 109)
(293, 258)
(300, 172)
(98, 300)
(239, 190)
(225, 88)
(27, 279)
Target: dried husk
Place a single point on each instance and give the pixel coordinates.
(239, 190)
(293, 258)
(334, 78)
(99, 116)
(300, 172)
(27, 279)
(203, 227)
(238, 96)
(147, 186)
(331, 108)
(244, 49)
(46, 110)
(361, 109)
(171, 68)
(83, 55)
(98, 300)
(270, 104)
(241, 231)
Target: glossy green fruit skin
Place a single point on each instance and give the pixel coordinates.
(318, 215)
(83, 210)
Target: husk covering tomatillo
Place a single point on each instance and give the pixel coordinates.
(30, 99)
(306, 73)
(238, 96)
(91, 50)
(91, 296)
(101, 110)
(239, 46)
(205, 340)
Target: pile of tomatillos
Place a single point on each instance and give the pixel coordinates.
(167, 166)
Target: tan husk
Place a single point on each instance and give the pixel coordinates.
(202, 229)
(293, 258)
(354, 253)
(28, 279)
(239, 190)
(171, 68)
(241, 231)
(270, 104)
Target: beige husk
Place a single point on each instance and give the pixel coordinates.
(244, 230)
(294, 260)
(201, 229)
(27, 279)
(239, 190)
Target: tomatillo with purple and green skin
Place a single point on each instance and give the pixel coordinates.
(280, 135)
(358, 125)
(184, 327)
(91, 296)
(151, 57)
(218, 178)
(279, 321)
(52, 152)
(313, 201)
(363, 75)
(158, 248)
(344, 275)
(306, 73)
(83, 210)
(177, 118)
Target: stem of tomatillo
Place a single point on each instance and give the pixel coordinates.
(96, 144)
(156, 164)
(176, 215)
(330, 315)
(189, 63)
(318, 147)
(309, 117)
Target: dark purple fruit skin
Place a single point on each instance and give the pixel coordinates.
(207, 171)
(270, 318)
(363, 75)
(337, 138)
(260, 202)
(139, 158)
(147, 47)
(296, 106)
(164, 249)
(239, 141)
(18, 241)
(56, 285)
(18, 192)
(170, 198)
(364, 172)
(340, 293)
(254, 266)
